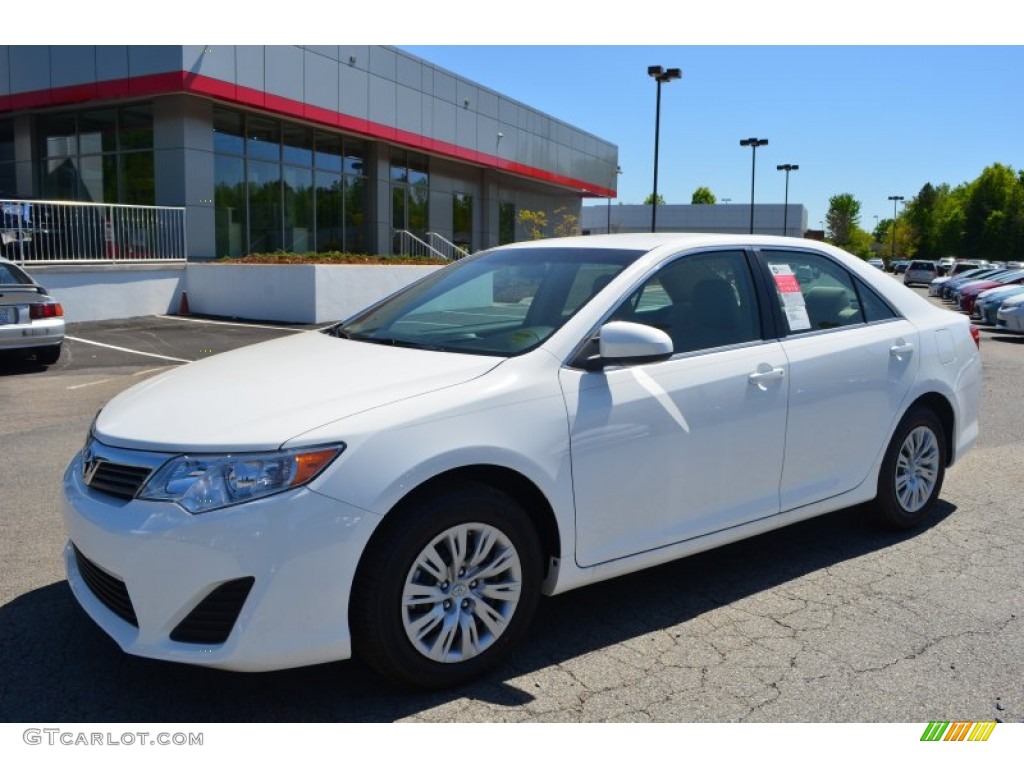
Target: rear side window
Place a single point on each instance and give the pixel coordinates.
(11, 275)
(817, 294)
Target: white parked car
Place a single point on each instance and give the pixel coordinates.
(1010, 316)
(31, 321)
(541, 416)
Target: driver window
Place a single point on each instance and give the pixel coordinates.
(702, 301)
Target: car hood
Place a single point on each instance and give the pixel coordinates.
(258, 397)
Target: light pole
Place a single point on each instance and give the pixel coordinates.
(660, 75)
(618, 172)
(895, 199)
(785, 206)
(753, 144)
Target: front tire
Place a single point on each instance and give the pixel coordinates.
(912, 471)
(449, 588)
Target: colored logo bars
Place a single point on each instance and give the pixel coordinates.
(959, 731)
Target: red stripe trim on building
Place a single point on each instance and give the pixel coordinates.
(187, 82)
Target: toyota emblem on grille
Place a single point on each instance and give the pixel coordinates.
(89, 464)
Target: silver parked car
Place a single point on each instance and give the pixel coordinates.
(31, 321)
(920, 272)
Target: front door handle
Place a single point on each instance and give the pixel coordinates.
(765, 374)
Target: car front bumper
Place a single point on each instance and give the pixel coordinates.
(1011, 319)
(299, 550)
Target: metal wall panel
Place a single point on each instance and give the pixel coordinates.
(153, 59)
(30, 67)
(283, 71)
(216, 61)
(383, 63)
(465, 127)
(250, 67)
(444, 86)
(409, 72)
(357, 56)
(321, 80)
(328, 51)
(382, 100)
(72, 65)
(111, 62)
(409, 110)
(444, 120)
(5, 70)
(354, 91)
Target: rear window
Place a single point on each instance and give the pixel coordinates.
(922, 265)
(11, 275)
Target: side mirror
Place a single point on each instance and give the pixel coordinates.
(623, 343)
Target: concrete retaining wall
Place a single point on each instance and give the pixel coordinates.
(293, 293)
(101, 292)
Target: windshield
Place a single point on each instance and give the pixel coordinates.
(501, 302)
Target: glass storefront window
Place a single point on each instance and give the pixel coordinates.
(462, 220)
(6, 141)
(135, 127)
(228, 133)
(264, 182)
(355, 214)
(329, 190)
(263, 139)
(297, 145)
(328, 152)
(58, 135)
(506, 223)
(138, 179)
(355, 158)
(229, 205)
(97, 131)
(298, 209)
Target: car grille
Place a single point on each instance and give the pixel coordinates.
(121, 480)
(211, 621)
(110, 591)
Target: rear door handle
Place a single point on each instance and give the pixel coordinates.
(901, 348)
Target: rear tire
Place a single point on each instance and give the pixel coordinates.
(912, 471)
(448, 590)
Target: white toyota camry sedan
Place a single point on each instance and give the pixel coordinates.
(405, 485)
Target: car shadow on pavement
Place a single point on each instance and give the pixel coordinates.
(15, 365)
(56, 666)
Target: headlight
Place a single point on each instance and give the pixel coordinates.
(206, 482)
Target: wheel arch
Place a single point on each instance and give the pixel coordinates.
(941, 407)
(515, 485)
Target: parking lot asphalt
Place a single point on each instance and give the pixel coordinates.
(831, 620)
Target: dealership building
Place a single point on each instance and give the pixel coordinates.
(295, 148)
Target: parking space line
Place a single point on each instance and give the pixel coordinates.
(238, 325)
(130, 351)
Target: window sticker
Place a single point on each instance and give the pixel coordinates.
(793, 304)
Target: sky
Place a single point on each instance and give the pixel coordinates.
(871, 121)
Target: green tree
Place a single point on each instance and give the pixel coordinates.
(988, 228)
(881, 229)
(859, 242)
(843, 215)
(703, 196)
(649, 198)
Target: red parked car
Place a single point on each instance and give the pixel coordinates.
(969, 293)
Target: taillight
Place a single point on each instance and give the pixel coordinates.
(40, 311)
(976, 335)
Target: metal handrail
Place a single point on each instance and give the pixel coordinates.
(408, 244)
(68, 232)
(451, 251)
